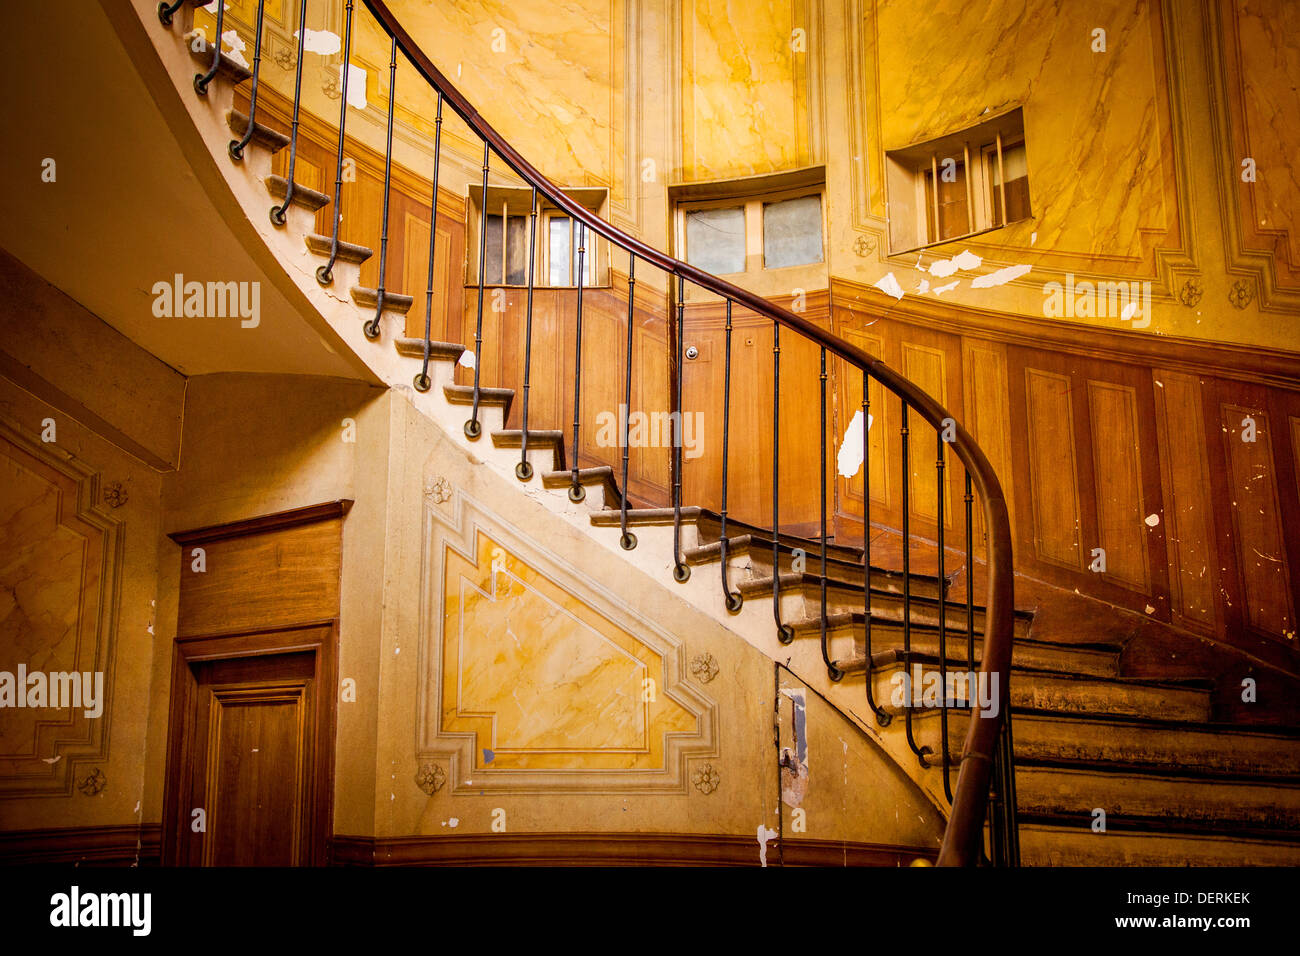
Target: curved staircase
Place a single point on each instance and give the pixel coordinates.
(1176, 786)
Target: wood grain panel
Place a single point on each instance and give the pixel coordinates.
(884, 421)
(927, 368)
(1256, 520)
(1180, 430)
(1053, 469)
(1117, 479)
(280, 577)
(988, 418)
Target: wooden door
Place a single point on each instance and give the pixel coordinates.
(251, 746)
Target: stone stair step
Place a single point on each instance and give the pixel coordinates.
(1046, 844)
(227, 69)
(751, 555)
(537, 439)
(644, 516)
(1133, 799)
(1092, 659)
(495, 397)
(264, 136)
(348, 251)
(601, 475)
(1143, 743)
(1060, 693)
(394, 302)
(303, 196)
(438, 351)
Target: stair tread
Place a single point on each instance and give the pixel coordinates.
(264, 136)
(541, 438)
(303, 196)
(442, 351)
(348, 251)
(394, 302)
(201, 50)
(643, 516)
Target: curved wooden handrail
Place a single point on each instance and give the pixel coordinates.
(963, 837)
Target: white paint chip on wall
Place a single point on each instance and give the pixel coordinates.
(235, 48)
(849, 460)
(889, 285)
(356, 86)
(466, 359)
(320, 41)
(963, 260)
(1000, 277)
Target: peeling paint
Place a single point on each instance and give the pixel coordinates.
(849, 459)
(320, 41)
(356, 88)
(965, 260)
(466, 359)
(889, 285)
(764, 834)
(999, 277)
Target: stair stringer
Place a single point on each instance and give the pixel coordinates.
(241, 196)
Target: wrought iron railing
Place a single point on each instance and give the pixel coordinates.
(985, 787)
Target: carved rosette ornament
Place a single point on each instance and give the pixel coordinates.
(330, 86)
(1241, 293)
(704, 667)
(115, 495)
(430, 778)
(285, 57)
(705, 778)
(437, 489)
(1191, 292)
(94, 783)
(864, 245)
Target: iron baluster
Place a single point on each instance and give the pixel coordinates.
(325, 274)
(920, 752)
(472, 427)
(372, 328)
(681, 571)
(832, 671)
(236, 147)
(422, 381)
(278, 212)
(733, 599)
(970, 576)
(627, 540)
(168, 10)
(576, 491)
(943, 629)
(883, 717)
(201, 81)
(784, 632)
(524, 470)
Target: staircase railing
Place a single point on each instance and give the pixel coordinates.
(985, 785)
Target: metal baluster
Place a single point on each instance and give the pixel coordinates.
(681, 571)
(832, 671)
(883, 717)
(576, 491)
(524, 470)
(943, 625)
(325, 273)
(372, 328)
(167, 10)
(472, 427)
(784, 632)
(627, 540)
(970, 576)
(422, 381)
(1009, 788)
(907, 595)
(201, 81)
(236, 147)
(278, 212)
(733, 599)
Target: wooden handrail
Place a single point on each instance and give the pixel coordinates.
(963, 836)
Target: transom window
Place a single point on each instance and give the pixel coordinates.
(559, 238)
(959, 185)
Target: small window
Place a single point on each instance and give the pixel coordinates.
(507, 235)
(958, 185)
(715, 239)
(792, 232)
(773, 221)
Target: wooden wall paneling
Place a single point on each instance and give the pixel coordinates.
(604, 373)
(1122, 510)
(266, 579)
(648, 467)
(988, 418)
(1050, 512)
(881, 435)
(933, 361)
(448, 290)
(1188, 516)
(1258, 590)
